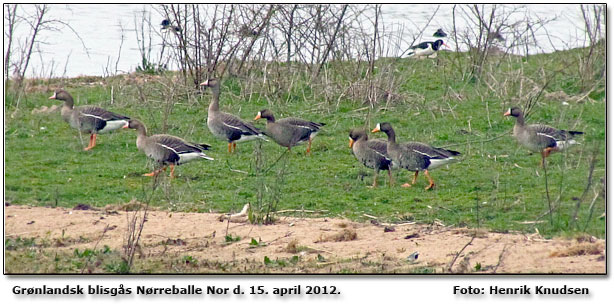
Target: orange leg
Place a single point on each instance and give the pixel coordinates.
(229, 147)
(431, 183)
(92, 142)
(172, 171)
(413, 181)
(155, 172)
(545, 153)
(309, 147)
(234, 147)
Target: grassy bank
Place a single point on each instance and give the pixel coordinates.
(497, 185)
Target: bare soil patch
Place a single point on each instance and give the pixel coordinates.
(322, 245)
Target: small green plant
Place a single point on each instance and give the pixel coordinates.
(281, 262)
(423, 270)
(188, 260)
(117, 266)
(231, 239)
(150, 68)
(84, 254)
(478, 266)
(18, 243)
(256, 243)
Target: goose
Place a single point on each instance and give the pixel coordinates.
(540, 138)
(165, 149)
(226, 126)
(415, 156)
(89, 119)
(427, 48)
(291, 131)
(371, 153)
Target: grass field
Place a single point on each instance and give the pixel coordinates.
(497, 185)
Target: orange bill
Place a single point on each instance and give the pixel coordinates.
(351, 142)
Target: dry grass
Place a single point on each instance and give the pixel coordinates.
(348, 234)
(579, 249)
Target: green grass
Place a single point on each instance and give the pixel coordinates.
(45, 164)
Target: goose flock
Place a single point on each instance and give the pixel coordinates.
(169, 151)
(377, 154)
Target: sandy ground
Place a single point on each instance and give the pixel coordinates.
(323, 244)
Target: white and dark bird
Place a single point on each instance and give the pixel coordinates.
(426, 49)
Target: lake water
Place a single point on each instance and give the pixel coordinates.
(100, 28)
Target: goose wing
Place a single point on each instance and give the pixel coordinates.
(91, 117)
(378, 145)
(170, 148)
(238, 125)
(553, 133)
(430, 151)
(100, 113)
(314, 126)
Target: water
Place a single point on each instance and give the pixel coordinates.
(100, 27)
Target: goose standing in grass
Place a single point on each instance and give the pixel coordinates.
(426, 49)
(540, 138)
(291, 131)
(226, 126)
(89, 119)
(165, 149)
(371, 153)
(415, 156)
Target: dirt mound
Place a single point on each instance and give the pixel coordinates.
(308, 244)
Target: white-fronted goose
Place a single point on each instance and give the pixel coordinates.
(371, 153)
(415, 156)
(226, 126)
(427, 49)
(540, 138)
(291, 131)
(89, 119)
(165, 149)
